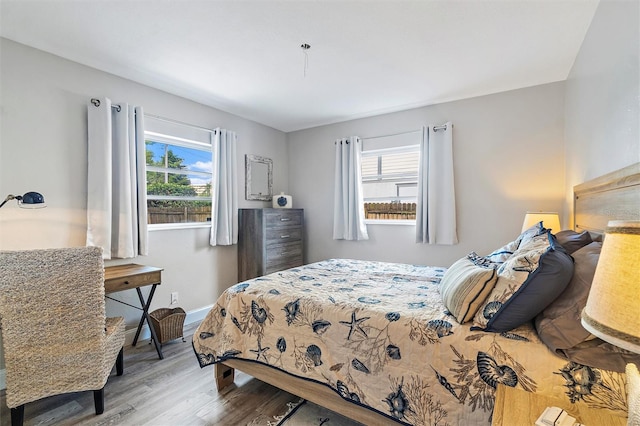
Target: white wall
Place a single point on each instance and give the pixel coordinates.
(43, 148)
(508, 155)
(603, 96)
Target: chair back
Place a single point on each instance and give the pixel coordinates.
(52, 313)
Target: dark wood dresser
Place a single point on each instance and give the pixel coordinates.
(269, 240)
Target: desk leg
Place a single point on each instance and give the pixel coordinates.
(145, 316)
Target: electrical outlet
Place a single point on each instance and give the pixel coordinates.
(174, 297)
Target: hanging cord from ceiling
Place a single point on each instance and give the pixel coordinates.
(305, 48)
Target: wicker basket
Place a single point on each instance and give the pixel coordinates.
(168, 323)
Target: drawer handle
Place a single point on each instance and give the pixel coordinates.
(285, 236)
(285, 219)
(126, 282)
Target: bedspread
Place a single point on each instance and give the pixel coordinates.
(378, 334)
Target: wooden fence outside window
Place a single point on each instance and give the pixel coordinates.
(390, 211)
(157, 215)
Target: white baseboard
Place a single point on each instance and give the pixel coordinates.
(192, 317)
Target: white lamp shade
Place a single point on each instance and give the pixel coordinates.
(550, 220)
(612, 311)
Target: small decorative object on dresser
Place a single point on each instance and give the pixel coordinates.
(282, 201)
(269, 240)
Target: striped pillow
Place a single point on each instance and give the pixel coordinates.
(466, 284)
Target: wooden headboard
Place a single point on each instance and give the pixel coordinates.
(614, 196)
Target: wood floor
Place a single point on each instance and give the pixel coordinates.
(172, 391)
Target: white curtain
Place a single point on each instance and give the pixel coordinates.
(224, 208)
(348, 208)
(436, 209)
(116, 181)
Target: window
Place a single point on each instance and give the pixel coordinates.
(390, 177)
(179, 180)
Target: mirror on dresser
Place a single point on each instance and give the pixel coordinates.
(258, 178)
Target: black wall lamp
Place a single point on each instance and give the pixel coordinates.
(30, 200)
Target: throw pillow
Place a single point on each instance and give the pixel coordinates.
(560, 328)
(505, 252)
(572, 241)
(466, 284)
(559, 325)
(527, 282)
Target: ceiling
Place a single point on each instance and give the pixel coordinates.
(366, 57)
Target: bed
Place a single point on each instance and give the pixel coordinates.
(386, 343)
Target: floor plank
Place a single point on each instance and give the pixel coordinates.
(172, 391)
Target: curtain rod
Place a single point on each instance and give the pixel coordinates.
(394, 134)
(96, 103)
(435, 129)
(169, 120)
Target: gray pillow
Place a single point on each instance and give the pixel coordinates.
(572, 241)
(599, 354)
(559, 325)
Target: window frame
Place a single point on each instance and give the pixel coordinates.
(171, 140)
(398, 178)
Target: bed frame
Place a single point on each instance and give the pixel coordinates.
(315, 392)
(614, 196)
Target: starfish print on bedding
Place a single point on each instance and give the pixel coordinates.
(260, 352)
(354, 325)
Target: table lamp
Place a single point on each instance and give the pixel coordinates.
(612, 312)
(550, 220)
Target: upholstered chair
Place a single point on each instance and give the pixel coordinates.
(55, 335)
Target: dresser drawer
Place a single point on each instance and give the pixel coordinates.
(285, 264)
(283, 217)
(283, 235)
(280, 253)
